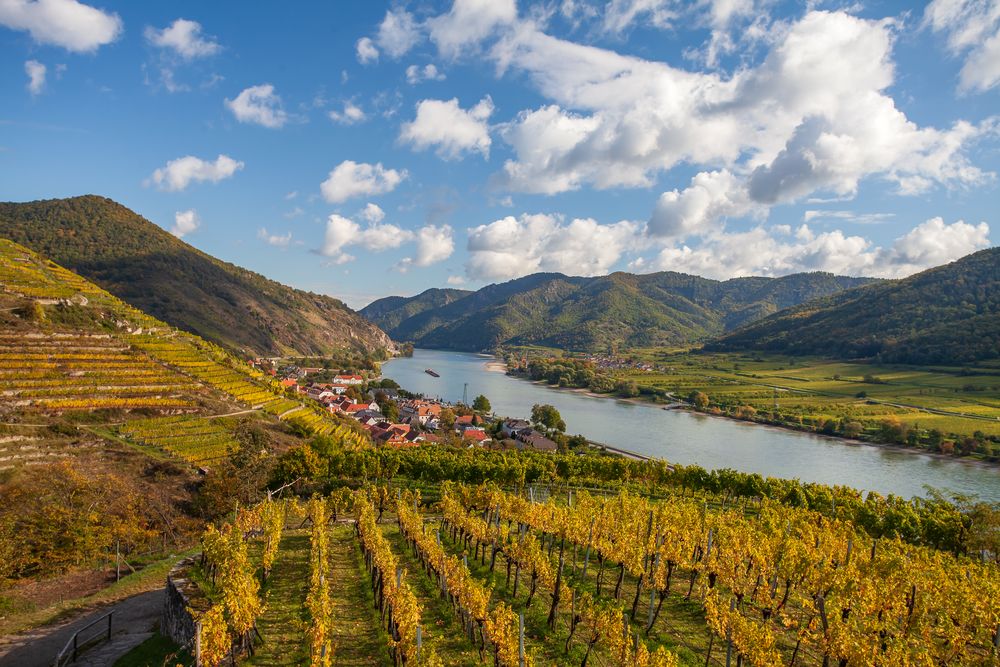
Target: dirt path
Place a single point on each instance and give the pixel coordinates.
(132, 624)
(357, 638)
(282, 622)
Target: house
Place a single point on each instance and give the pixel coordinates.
(319, 394)
(354, 408)
(463, 422)
(536, 440)
(422, 411)
(290, 383)
(477, 435)
(348, 379)
(512, 427)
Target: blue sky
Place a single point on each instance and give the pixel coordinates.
(367, 149)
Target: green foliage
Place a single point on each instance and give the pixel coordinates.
(949, 314)
(482, 405)
(548, 418)
(152, 270)
(594, 314)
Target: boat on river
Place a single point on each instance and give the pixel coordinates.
(432, 373)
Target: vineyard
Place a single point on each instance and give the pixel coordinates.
(71, 371)
(198, 440)
(487, 576)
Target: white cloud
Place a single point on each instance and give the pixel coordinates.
(185, 222)
(779, 251)
(456, 281)
(373, 213)
(259, 105)
(276, 240)
(972, 27)
(354, 179)
(366, 51)
(513, 247)
(468, 22)
(398, 33)
(451, 129)
(67, 23)
(846, 216)
(429, 72)
(434, 244)
(179, 173)
(342, 233)
(351, 114)
(184, 38)
(620, 14)
(710, 197)
(813, 117)
(36, 76)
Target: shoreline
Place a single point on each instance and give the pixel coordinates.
(498, 366)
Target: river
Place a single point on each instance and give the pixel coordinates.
(684, 437)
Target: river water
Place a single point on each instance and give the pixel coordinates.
(684, 437)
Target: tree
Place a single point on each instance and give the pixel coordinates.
(447, 419)
(627, 389)
(547, 417)
(482, 405)
(699, 399)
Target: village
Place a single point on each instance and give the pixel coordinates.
(395, 418)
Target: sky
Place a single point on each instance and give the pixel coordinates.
(362, 149)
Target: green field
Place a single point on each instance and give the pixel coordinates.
(956, 401)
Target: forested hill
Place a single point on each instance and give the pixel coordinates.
(948, 314)
(619, 310)
(152, 270)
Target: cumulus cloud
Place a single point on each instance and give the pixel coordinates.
(373, 213)
(351, 114)
(710, 197)
(398, 33)
(355, 179)
(451, 130)
(780, 251)
(185, 222)
(812, 117)
(434, 244)
(366, 51)
(259, 105)
(179, 173)
(429, 72)
(342, 232)
(972, 27)
(69, 24)
(455, 281)
(276, 240)
(513, 247)
(36, 76)
(184, 38)
(468, 22)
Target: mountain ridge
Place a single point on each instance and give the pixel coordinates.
(946, 314)
(597, 313)
(139, 262)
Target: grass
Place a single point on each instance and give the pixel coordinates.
(146, 579)
(284, 619)
(156, 651)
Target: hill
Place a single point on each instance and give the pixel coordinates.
(106, 407)
(948, 314)
(618, 310)
(158, 273)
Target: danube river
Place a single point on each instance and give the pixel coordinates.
(684, 437)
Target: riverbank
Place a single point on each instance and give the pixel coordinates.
(680, 406)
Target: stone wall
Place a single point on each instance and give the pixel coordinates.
(183, 605)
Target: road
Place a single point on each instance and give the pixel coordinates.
(133, 623)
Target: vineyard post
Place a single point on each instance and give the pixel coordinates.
(729, 633)
(520, 639)
(420, 641)
(652, 596)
